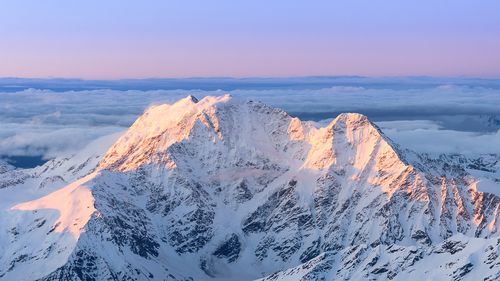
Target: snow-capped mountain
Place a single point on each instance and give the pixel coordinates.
(226, 189)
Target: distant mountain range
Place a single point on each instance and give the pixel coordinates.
(9, 84)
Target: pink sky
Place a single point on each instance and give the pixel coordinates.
(129, 39)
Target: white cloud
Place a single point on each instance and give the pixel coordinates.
(48, 140)
(43, 122)
(427, 136)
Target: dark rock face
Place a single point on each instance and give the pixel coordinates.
(83, 267)
(131, 228)
(230, 249)
(311, 252)
(11, 177)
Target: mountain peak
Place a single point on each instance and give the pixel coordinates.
(160, 127)
(224, 189)
(192, 98)
(238, 125)
(351, 117)
(351, 120)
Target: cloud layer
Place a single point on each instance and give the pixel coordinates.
(50, 123)
(428, 136)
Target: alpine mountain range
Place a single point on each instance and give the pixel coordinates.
(225, 188)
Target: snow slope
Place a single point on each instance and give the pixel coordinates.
(227, 189)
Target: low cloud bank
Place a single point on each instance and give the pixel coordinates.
(429, 137)
(53, 123)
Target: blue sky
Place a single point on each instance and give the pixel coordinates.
(141, 39)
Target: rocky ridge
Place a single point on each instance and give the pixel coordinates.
(226, 189)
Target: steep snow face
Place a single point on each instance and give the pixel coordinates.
(44, 210)
(74, 204)
(160, 127)
(227, 189)
(52, 230)
(458, 258)
(352, 144)
(246, 130)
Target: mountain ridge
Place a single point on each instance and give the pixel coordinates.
(239, 190)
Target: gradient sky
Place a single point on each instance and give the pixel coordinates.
(110, 39)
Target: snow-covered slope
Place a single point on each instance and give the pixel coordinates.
(26, 223)
(225, 189)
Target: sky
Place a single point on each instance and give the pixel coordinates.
(116, 39)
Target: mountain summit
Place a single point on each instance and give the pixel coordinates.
(228, 189)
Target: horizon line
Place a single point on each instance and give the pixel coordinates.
(467, 77)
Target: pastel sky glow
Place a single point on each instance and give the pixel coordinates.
(114, 39)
